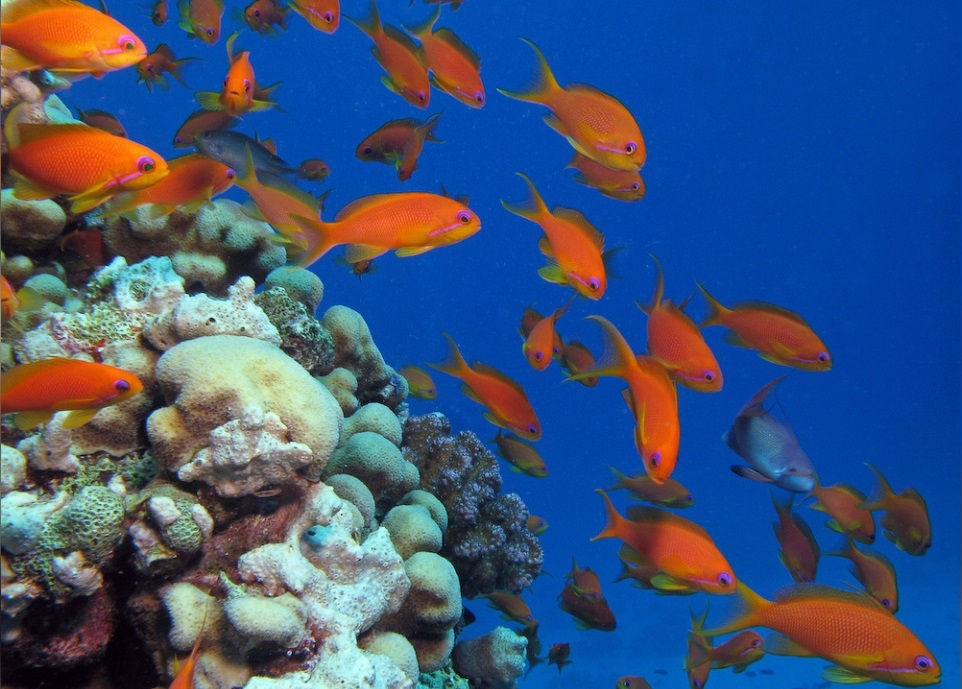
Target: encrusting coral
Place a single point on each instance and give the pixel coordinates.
(487, 538)
(492, 661)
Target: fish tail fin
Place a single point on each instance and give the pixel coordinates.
(544, 85)
(533, 207)
(715, 309)
(612, 518)
(11, 127)
(659, 288)
(317, 237)
(455, 364)
(700, 647)
(619, 477)
(881, 495)
(428, 127)
(746, 613)
(371, 24)
(427, 26)
(615, 357)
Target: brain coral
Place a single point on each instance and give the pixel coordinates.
(227, 394)
(487, 539)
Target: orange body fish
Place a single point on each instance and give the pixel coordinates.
(576, 358)
(323, 15)
(159, 13)
(842, 503)
(906, 520)
(407, 223)
(65, 36)
(151, 69)
(675, 340)
(35, 391)
(875, 572)
(99, 119)
(420, 384)
(521, 455)
(84, 163)
(777, 334)
(559, 654)
(240, 93)
(199, 122)
(594, 123)
(651, 396)
(590, 612)
(863, 639)
(623, 185)
(194, 180)
(738, 652)
(574, 247)
(512, 607)
(542, 343)
(507, 404)
(683, 551)
(397, 54)
(800, 550)
(399, 143)
(454, 67)
(668, 494)
(263, 16)
(201, 19)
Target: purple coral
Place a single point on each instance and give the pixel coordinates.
(487, 539)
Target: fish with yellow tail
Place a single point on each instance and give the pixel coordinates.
(864, 640)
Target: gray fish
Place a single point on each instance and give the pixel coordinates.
(769, 446)
(229, 148)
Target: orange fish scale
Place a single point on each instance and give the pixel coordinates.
(72, 162)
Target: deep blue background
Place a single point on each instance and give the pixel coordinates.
(802, 154)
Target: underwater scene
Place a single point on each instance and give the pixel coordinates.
(480, 343)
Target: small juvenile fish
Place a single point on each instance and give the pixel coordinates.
(906, 520)
(323, 15)
(151, 69)
(536, 525)
(842, 503)
(559, 654)
(800, 552)
(521, 455)
(231, 148)
(200, 122)
(420, 384)
(671, 493)
(103, 121)
(623, 185)
(874, 572)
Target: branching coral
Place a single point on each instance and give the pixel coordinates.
(487, 539)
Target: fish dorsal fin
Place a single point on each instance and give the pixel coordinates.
(21, 9)
(769, 308)
(449, 37)
(401, 37)
(656, 297)
(361, 204)
(577, 218)
(490, 371)
(643, 514)
(821, 592)
(30, 133)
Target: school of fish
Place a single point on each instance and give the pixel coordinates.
(93, 166)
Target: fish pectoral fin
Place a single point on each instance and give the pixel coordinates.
(389, 84)
(354, 253)
(93, 197)
(665, 582)
(734, 339)
(552, 273)
(748, 472)
(26, 420)
(491, 418)
(781, 645)
(472, 395)
(552, 121)
(79, 417)
(842, 675)
(208, 100)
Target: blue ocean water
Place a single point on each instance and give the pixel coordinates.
(801, 154)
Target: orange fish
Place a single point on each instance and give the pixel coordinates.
(397, 54)
(632, 682)
(777, 334)
(521, 455)
(651, 396)
(314, 169)
(323, 15)
(574, 247)
(358, 268)
(201, 19)
(590, 612)
(507, 404)
(643, 574)
(738, 652)
(623, 185)
(576, 358)
(454, 67)
(668, 494)
(86, 164)
(864, 640)
(88, 244)
(35, 391)
(399, 143)
(536, 525)
(263, 16)
(584, 582)
(559, 655)
(239, 95)
(102, 120)
(158, 13)
(193, 181)
(512, 607)
(65, 36)
(842, 503)
(800, 550)
(419, 381)
(875, 572)
(542, 343)
(675, 340)
(906, 520)
(408, 223)
(594, 123)
(151, 69)
(18, 301)
(200, 122)
(682, 550)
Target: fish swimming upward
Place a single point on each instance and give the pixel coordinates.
(769, 446)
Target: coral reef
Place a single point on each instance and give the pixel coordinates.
(487, 538)
(492, 661)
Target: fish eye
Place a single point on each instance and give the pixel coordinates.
(594, 284)
(792, 470)
(121, 386)
(724, 578)
(709, 377)
(247, 86)
(636, 186)
(478, 98)
(421, 96)
(464, 217)
(230, 174)
(823, 357)
(146, 164)
(538, 356)
(631, 147)
(756, 643)
(655, 459)
(887, 603)
(210, 31)
(532, 429)
(257, 12)
(923, 663)
(127, 42)
(328, 17)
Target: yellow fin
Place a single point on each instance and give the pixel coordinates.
(26, 420)
(79, 417)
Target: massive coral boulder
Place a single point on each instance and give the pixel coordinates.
(243, 416)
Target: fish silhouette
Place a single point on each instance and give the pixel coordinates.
(769, 446)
